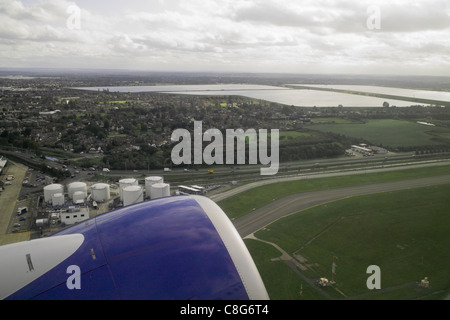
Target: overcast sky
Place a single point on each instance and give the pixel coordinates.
(297, 36)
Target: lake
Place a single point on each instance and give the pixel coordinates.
(421, 94)
(289, 96)
(185, 88)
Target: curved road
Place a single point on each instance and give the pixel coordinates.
(327, 174)
(283, 207)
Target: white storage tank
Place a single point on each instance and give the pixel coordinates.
(41, 222)
(132, 195)
(52, 189)
(78, 197)
(159, 190)
(100, 192)
(76, 186)
(58, 199)
(126, 183)
(149, 181)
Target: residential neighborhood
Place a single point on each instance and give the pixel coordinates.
(47, 115)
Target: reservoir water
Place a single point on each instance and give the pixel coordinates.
(289, 96)
(421, 94)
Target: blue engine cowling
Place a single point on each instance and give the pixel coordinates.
(174, 248)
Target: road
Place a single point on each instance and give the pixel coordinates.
(335, 173)
(261, 217)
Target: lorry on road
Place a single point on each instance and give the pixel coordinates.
(21, 210)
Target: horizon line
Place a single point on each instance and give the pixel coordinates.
(143, 71)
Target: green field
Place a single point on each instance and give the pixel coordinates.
(406, 233)
(333, 120)
(118, 102)
(119, 135)
(293, 136)
(389, 133)
(245, 202)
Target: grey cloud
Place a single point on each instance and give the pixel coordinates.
(250, 33)
(349, 17)
(43, 11)
(272, 14)
(411, 17)
(316, 18)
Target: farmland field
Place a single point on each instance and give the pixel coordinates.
(289, 136)
(405, 233)
(389, 133)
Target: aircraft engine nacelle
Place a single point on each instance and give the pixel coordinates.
(173, 248)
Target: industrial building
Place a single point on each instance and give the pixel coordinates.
(51, 190)
(126, 183)
(132, 195)
(74, 215)
(78, 190)
(58, 200)
(190, 190)
(100, 192)
(368, 150)
(149, 181)
(70, 205)
(3, 163)
(362, 149)
(159, 190)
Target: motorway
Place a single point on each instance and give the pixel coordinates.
(262, 217)
(328, 174)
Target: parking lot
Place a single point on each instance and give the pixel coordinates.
(9, 204)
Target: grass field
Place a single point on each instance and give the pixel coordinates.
(281, 282)
(245, 202)
(293, 136)
(389, 133)
(118, 102)
(333, 120)
(406, 233)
